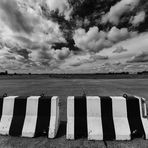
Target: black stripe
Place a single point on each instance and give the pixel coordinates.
(107, 118)
(134, 118)
(19, 112)
(1, 106)
(43, 116)
(80, 117)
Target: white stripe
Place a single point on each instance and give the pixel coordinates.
(7, 114)
(94, 122)
(121, 123)
(31, 116)
(144, 120)
(70, 118)
(54, 117)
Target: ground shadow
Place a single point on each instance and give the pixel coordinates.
(62, 129)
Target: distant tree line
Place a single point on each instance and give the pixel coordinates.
(69, 75)
(4, 73)
(143, 72)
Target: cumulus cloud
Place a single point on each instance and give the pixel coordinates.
(138, 18)
(61, 54)
(116, 11)
(61, 5)
(116, 35)
(93, 40)
(49, 58)
(142, 57)
(120, 49)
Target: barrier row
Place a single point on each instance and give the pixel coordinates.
(92, 117)
(29, 116)
(106, 118)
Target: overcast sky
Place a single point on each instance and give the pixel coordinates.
(73, 36)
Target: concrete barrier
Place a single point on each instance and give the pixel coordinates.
(94, 118)
(29, 116)
(134, 117)
(106, 118)
(7, 114)
(121, 124)
(70, 118)
(143, 114)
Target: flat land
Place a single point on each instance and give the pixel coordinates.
(64, 88)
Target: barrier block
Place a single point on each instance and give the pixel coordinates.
(106, 118)
(7, 115)
(70, 118)
(30, 116)
(121, 125)
(143, 114)
(134, 117)
(54, 118)
(94, 118)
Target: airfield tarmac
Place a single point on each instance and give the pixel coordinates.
(67, 87)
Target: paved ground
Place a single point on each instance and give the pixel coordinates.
(64, 88)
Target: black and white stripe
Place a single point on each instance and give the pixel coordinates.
(134, 118)
(80, 116)
(105, 118)
(29, 116)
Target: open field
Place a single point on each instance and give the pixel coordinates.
(64, 88)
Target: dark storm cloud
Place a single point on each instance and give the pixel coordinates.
(10, 57)
(14, 18)
(142, 57)
(22, 52)
(87, 14)
(91, 59)
(99, 57)
(1, 45)
(120, 49)
(69, 45)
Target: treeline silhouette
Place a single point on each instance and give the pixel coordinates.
(4, 73)
(109, 75)
(143, 72)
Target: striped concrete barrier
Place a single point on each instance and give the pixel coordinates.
(106, 118)
(29, 116)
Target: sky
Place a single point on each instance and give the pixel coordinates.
(73, 36)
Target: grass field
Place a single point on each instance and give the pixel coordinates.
(64, 88)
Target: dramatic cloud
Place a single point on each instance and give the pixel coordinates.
(14, 18)
(22, 52)
(119, 49)
(116, 11)
(93, 40)
(69, 36)
(61, 54)
(49, 58)
(116, 35)
(86, 59)
(139, 18)
(142, 57)
(61, 5)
